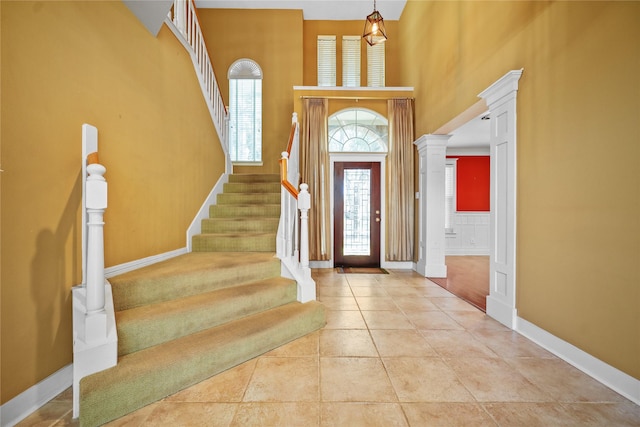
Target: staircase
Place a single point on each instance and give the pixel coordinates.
(193, 316)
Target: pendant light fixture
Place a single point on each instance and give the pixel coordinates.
(374, 31)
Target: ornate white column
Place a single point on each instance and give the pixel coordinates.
(432, 157)
(501, 100)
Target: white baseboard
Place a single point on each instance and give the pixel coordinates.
(320, 264)
(613, 378)
(502, 312)
(143, 262)
(21, 406)
(398, 265)
(203, 212)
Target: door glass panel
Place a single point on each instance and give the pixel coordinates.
(357, 214)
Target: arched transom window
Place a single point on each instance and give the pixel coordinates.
(245, 112)
(358, 130)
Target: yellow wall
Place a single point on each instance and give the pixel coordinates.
(578, 233)
(312, 29)
(65, 64)
(273, 39)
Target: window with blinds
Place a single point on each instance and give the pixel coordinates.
(326, 60)
(449, 194)
(375, 65)
(351, 60)
(245, 112)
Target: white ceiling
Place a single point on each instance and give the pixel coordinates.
(332, 10)
(471, 136)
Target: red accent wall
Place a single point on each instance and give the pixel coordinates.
(472, 183)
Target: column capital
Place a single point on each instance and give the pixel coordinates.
(431, 140)
(506, 85)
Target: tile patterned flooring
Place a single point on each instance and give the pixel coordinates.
(397, 350)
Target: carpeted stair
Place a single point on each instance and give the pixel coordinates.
(245, 217)
(188, 318)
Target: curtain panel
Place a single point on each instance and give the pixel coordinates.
(314, 170)
(400, 186)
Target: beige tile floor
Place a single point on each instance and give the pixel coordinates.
(397, 350)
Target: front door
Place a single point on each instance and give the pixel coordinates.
(356, 214)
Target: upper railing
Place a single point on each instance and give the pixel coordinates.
(184, 18)
(293, 232)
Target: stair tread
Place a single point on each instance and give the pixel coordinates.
(172, 319)
(209, 339)
(168, 308)
(151, 374)
(190, 274)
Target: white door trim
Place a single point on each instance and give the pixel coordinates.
(500, 98)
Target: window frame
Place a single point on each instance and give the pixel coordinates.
(244, 70)
(351, 60)
(326, 58)
(376, 65)
(450, 200)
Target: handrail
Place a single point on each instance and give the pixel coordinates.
(283, 176)
(183, 17)
(292, 134)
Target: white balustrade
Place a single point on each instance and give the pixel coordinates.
(293, 231)
(184, 23)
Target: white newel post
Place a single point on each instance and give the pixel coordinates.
(304, 204)
(96, 205)
(306, 285)
(95, 339)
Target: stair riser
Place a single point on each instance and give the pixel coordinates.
(265, 211)
(247, 187)
(235, 243)
(148, 326)
(141, 292)
(211, 225)
(254, 178)
(248, 199)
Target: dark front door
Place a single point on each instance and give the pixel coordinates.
(356, 195)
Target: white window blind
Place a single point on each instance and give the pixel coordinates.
(326, 60)
(351, 60)
(245, 112)
(375, 65)
(449, 194)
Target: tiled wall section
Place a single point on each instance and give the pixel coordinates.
(470, 234)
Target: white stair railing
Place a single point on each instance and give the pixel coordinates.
(183, 21)
(292, 245)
